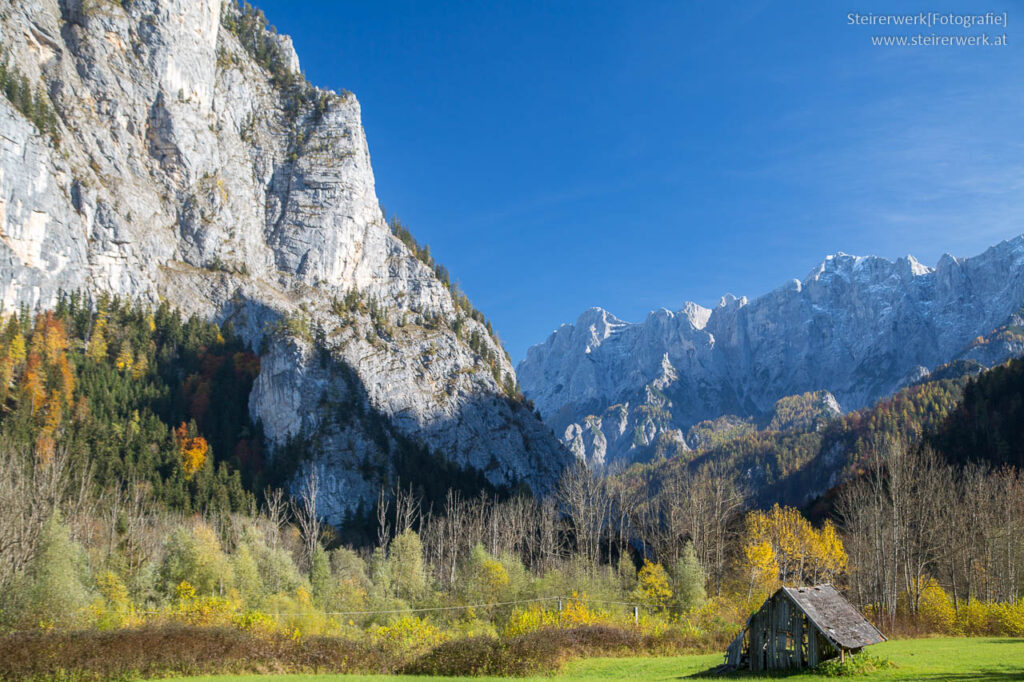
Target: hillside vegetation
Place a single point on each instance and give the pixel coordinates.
(129, 397)
(801, 461)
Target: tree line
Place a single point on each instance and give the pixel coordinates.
(912, 519)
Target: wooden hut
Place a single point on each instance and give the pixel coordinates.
(798, 627)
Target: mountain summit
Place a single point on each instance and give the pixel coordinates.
(173, 151)
(856, 327)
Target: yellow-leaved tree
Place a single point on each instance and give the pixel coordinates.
(781, 546)
(192, 449)
(16, 350)
(53, 334)
(828, 556)
(97, 349)
(140, 367)
(125, 357)
(34, 383)
(13, 357)
(652, 586)
(761, 568)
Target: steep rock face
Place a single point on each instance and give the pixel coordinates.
(189, 172)
(859, 328)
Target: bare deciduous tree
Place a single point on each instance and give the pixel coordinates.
(446, 537)
(383, 524)
(912, 517)
(30, 492)
(275, 508)
(304, 510)
(407, 508)
(583, 496)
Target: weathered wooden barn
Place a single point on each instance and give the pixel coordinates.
(798, 627)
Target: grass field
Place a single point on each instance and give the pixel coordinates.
(946, 658)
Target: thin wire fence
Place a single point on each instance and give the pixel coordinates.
(441, 608)
(425, 609)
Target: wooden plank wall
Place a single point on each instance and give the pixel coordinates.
(780, 636)
(757, 639)
(780, 614)
(734, 655)
(798, 628)
(813, 650)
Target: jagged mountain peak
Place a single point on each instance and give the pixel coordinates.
(911, 267)
(698, 315)
(865, 268)
(730, 301)
(597, 316)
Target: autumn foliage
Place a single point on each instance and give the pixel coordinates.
(653, 588)
(108, 384)
(192, 449)
(781, 547)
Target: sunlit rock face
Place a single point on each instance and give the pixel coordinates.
(858, 328)
(186, 172)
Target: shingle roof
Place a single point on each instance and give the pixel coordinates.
(835, 617)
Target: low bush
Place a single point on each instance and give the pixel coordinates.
(577, 613)
(537, 651)
(255, 645)
(1010, 618)
(853, 665)
(678, 640)
(407, 634)
(470, 656)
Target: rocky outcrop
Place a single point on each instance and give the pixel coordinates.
(859, 328)
(188, 170)
(804, 412)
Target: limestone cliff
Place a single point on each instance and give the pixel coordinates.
(191, 162)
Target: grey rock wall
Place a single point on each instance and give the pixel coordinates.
(184, 174)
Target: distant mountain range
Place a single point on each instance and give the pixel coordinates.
(854, 330)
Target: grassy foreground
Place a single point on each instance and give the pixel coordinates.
(945, 658)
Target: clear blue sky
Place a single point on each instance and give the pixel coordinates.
(635, 155)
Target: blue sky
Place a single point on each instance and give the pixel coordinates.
(635, 155)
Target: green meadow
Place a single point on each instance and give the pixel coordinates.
(941, 658)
